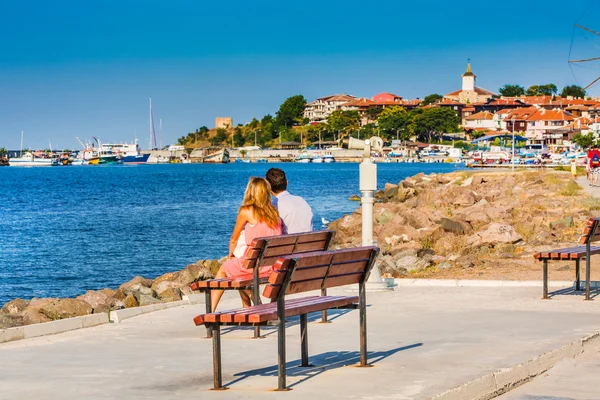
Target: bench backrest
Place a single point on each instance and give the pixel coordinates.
(320, 270)
(591, 233)
(265, 251)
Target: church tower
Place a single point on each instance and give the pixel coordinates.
(468, 80)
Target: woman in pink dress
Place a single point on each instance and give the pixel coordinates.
(256, 218)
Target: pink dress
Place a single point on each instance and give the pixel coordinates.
(233, 267)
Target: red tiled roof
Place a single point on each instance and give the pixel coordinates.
(480, 115)
(337, 97)
(361, 102)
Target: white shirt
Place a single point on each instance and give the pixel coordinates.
(295, 213)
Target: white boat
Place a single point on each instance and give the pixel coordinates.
(29, 160)
(317, 159)
(328, 158)
(128, 152)
(303, 158)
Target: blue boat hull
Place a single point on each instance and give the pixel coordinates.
(140, 159)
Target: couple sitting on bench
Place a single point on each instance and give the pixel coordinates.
(257, 218)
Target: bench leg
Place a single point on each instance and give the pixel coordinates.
(208, 301)
(216, 340)
(304, 339)
(577, 276)
(324, 312)
(363, 325)
(545, 296)
(281, 371)
(588, 273)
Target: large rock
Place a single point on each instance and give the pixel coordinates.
(170, 294)
(15, 306)
(32, 314)
(411, 263)
(450, 225)
(387, 267)
(145, 300)
(100, 301)
(65, 308)
(10, 320)
(495, 233)
(138, 280)
(130, 301)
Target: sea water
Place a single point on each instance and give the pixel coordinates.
(64, 230)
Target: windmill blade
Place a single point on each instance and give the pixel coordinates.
(591, 84)
(585, 60)
(587, 29)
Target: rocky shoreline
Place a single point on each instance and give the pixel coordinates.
(473, 224)
(139, 291)
(464, 224)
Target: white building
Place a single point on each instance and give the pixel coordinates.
(320, 109)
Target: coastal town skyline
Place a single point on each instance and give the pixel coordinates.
(98, 82)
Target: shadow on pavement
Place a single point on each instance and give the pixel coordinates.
(594, 292)
(322, 362)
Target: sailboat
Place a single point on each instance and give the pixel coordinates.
(29, 159)
(155, 157)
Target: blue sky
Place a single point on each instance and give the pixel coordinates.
(86, 68)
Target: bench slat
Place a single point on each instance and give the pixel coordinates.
(570, 253)
(272, 291)
(268, 312)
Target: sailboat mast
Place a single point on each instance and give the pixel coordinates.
(21, 152)
(160, 132)
(152, 131)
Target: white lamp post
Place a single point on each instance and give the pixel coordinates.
(368, 185)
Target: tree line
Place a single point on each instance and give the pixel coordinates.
(550, 89)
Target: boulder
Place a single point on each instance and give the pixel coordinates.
(32, 314)
(464, 199)
(100, 301)
(145, 300)
(387, 267)
(15, 306)
(10, 320)
(213, 266)
(495, 233)
(384, 217)
(450, 225)
(139, 288)
(389, 186)
(170, 294)
(137, 281)
(130, 301)
(65, 308)
(411, 263)
(467, 182)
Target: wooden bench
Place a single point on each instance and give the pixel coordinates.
(297, 274)
(591, 234)
(264, 252)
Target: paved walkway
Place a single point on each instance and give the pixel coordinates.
(572, 379)
(422, 341)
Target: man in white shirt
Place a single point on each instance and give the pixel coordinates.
(294, 211)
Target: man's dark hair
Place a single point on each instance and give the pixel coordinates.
(277, 179)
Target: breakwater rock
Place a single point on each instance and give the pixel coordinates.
(139, 291)
(428, 224)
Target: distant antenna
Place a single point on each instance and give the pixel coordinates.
(21, 152)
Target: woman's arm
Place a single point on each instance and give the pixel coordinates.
(241, 220)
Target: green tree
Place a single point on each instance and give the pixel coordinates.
(343, 121)
(573, 90)
(432, 122)
(394, 121)
(253, 124)
(238, 137)
(2, 151)
(431, 98)
(291, 110)
(373, 113)
(220, 137)
(542, 90)
(509, 90)
(585, 141)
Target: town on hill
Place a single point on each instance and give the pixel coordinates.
(539, 115)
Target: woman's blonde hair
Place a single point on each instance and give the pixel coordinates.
(258, 199)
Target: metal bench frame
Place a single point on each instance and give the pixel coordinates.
(281, 314)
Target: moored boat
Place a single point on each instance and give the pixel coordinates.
(303, 158)
(129, 153)
(328, 158)
(30, 160)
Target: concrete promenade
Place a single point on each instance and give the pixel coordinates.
(423, 341)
